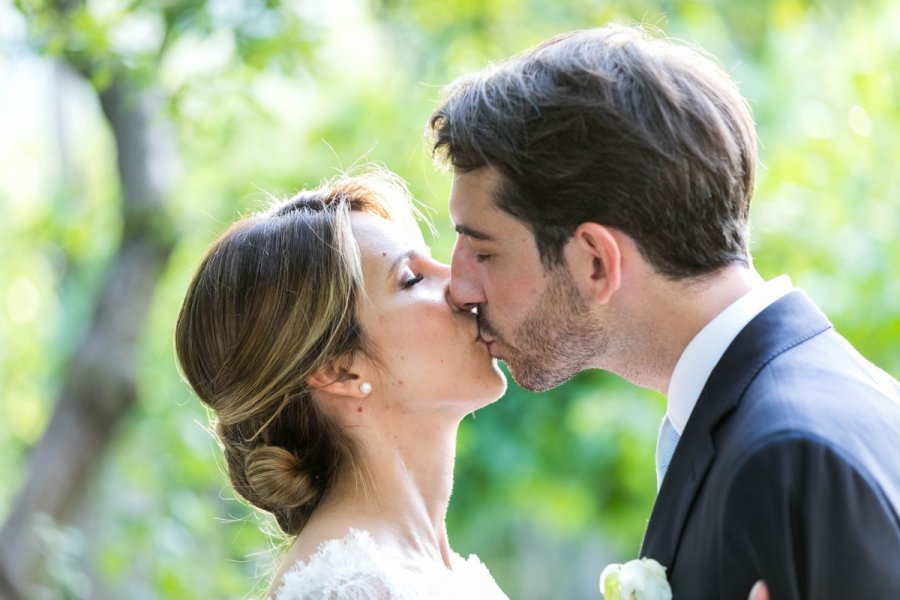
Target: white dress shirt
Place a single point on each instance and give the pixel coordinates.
(703, 352)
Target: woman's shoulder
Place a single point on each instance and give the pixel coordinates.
(350, 566)
(472, 579)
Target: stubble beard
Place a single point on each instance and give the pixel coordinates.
(555, 341)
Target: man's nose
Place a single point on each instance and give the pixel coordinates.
(466, 291)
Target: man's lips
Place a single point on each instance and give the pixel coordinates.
(488, 342)
(483, 337)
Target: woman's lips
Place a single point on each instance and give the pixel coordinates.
(487, 344)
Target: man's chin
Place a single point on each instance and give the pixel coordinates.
(535, 380)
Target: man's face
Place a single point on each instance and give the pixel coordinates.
(532, 318)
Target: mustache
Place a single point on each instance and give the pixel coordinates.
(484, 326)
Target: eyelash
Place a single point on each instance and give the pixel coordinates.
(482, 257)
(411, 282)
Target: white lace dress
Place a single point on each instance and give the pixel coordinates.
(354, 568)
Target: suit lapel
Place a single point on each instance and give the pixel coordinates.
(790, 321)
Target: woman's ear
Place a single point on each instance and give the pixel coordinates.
(339, 381)
(594, 258)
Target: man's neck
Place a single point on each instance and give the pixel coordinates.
(670, 314)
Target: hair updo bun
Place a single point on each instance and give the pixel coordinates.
(273, 303)
(277, 477)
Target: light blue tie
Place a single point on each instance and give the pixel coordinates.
(665, 448)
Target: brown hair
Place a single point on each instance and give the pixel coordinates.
(613, 126)
(272, 303)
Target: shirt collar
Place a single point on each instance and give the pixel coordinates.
(703, 352)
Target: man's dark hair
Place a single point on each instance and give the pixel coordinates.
(617, 127)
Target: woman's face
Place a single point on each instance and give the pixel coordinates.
(429, 352)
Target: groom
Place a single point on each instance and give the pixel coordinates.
(601, 193)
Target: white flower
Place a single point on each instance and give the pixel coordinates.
(643, 579)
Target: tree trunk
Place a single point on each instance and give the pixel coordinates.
(99, 386)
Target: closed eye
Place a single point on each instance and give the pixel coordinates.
(408, 283)
(481, 257)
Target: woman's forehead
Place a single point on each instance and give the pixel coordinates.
(376, 235)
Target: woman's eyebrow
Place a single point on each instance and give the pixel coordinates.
(396, 262)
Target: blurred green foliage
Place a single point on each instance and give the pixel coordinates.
(266, 97)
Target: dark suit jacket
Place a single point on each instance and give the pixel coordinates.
(788, 470)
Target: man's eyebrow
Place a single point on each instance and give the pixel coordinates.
(396, 262)
(474, 233)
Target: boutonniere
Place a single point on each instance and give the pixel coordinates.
(640, 579)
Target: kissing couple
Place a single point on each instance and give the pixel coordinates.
(601, 196)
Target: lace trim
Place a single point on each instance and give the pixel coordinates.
(354, 568)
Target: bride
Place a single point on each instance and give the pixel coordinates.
(321, 335)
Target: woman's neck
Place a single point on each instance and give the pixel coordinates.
(400, 490)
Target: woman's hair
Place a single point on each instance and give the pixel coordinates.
(272, 303)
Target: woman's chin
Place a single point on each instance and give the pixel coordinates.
(497, 386)
(488, 394)
(501, 377)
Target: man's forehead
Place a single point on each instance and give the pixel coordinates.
(475, 213)
(473, 192)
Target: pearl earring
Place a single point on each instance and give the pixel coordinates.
(365, 388)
